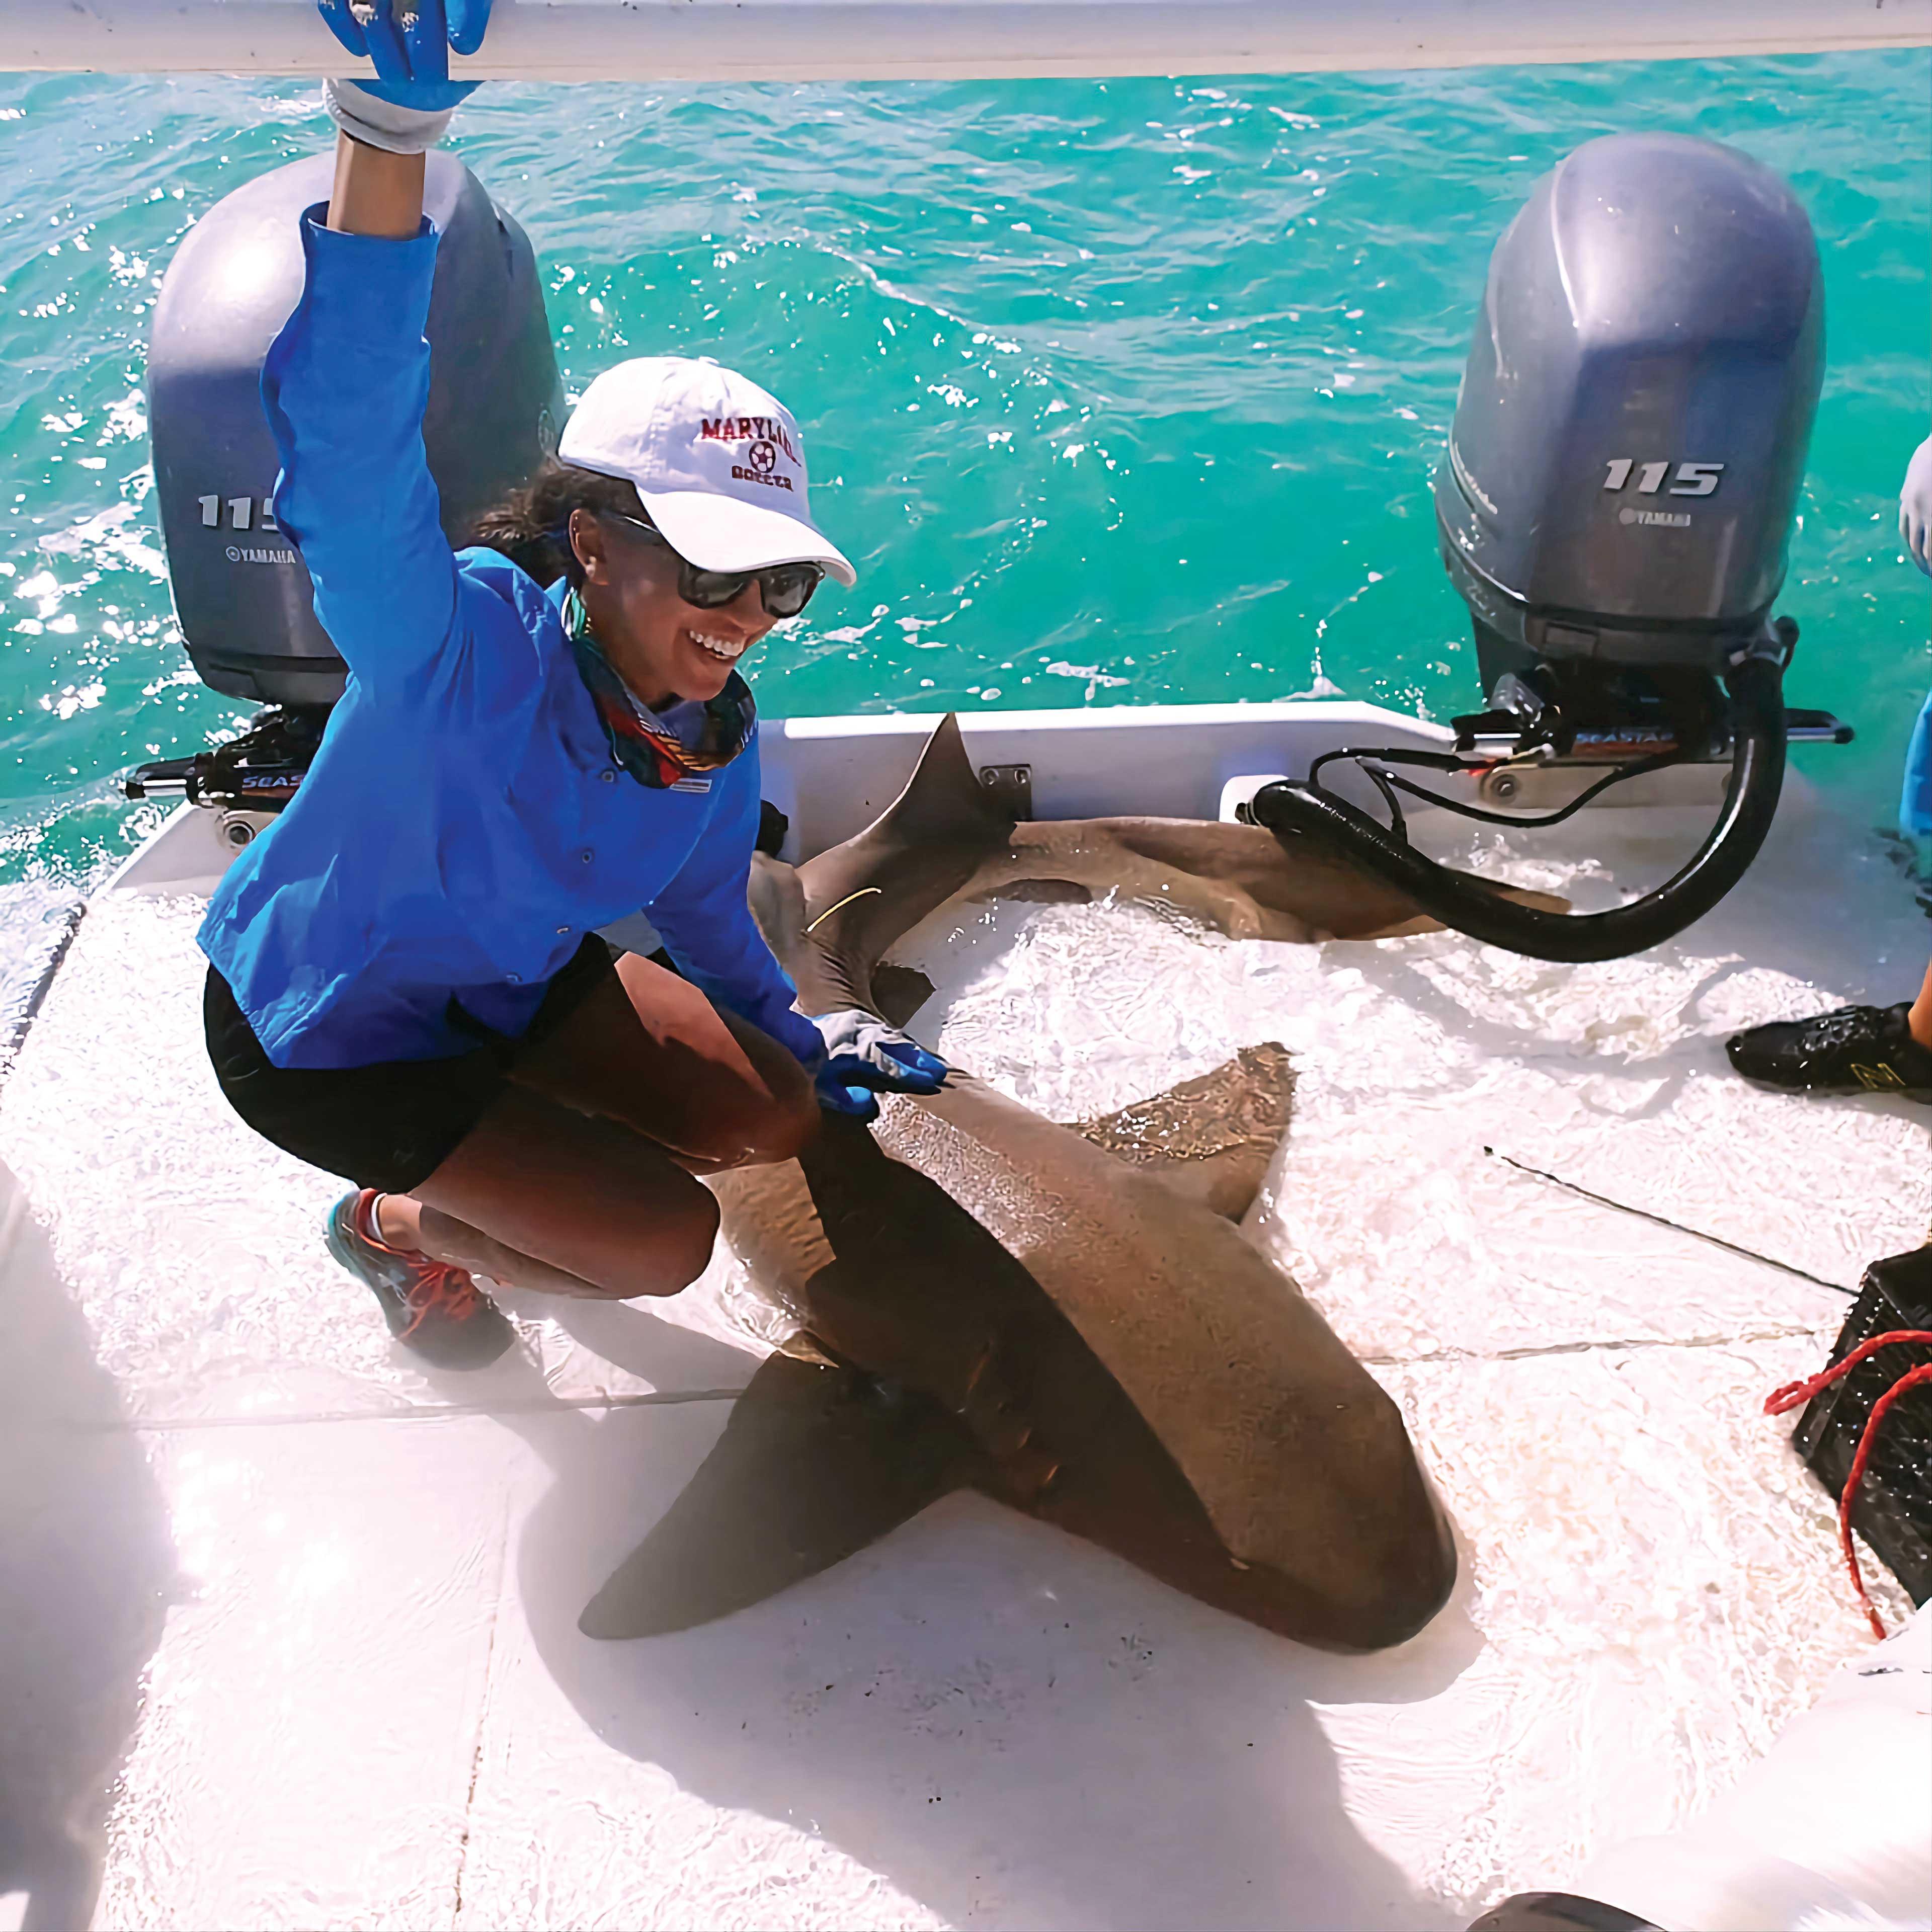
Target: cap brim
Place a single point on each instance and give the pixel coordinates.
(719, 533)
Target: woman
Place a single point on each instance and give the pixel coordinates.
(406, 986)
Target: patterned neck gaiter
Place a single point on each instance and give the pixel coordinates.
(675, 751)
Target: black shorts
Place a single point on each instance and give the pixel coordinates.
(391, 1125)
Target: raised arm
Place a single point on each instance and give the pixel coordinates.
(376, 193)
(344, 387)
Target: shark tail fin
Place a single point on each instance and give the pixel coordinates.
(814, 1464)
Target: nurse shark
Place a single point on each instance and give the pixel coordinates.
(1063, 1318)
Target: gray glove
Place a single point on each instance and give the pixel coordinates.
(864, 1056)
(1914, 507)
(365, 116)
(406, 107)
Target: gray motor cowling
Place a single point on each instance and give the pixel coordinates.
(1628, 446)
(241, 594)
(1622, 472)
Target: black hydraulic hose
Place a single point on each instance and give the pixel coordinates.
(1288, 809)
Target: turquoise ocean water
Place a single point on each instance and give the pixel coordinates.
(1117, 392)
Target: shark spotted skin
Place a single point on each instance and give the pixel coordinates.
(1061, 1317)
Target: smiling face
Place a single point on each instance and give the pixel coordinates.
(662, 647)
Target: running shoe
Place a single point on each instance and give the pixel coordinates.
(431, 1307)
(1855, 1050)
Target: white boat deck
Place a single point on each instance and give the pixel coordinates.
(291, 1625)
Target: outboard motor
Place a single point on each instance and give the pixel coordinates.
(241, 593)
(1614, 508)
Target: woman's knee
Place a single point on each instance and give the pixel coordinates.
(582, 1196)
(662, 1257)
(774, 1121)
(687, 1251)
(791, 1123)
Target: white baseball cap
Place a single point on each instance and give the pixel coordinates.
(718, 461)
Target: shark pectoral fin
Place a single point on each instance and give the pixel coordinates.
(1211, 1138)
(1224, 1183)
(814, 1464)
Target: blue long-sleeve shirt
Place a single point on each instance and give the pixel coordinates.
(464, 824)
(1915, 802)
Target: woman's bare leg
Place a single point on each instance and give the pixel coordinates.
(647, 1049)
(578, 1180)
(403, 1222)
(587, 1200)
(1919, 1020)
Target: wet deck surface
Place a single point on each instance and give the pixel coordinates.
(291, 1625)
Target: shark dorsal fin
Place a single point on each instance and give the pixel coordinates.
(943, 800)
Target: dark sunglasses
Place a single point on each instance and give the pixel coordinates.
(784, 589)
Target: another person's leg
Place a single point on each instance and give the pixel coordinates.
(1851, 1050)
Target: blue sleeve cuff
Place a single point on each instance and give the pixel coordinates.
(363, 290)
(802, 1040)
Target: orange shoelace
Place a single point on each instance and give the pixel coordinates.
(441, 1288)
(438, 1288)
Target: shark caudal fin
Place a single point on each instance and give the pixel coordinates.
(1211, 1138)
(814, 1464)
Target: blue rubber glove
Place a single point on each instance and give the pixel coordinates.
(865, 1057)
(411, 49)
(407, 107)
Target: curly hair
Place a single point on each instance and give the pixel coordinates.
(529, 525)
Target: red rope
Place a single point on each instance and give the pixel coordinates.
(1782, 1400)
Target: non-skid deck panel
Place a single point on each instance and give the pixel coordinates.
(326, 1605)
(194, 1248)
(37, 921)
(370, 1704)
(1014, 1730)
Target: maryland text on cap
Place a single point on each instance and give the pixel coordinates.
(718, 461)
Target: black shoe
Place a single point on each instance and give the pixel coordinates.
(1855, 1050)
(431, 1307)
